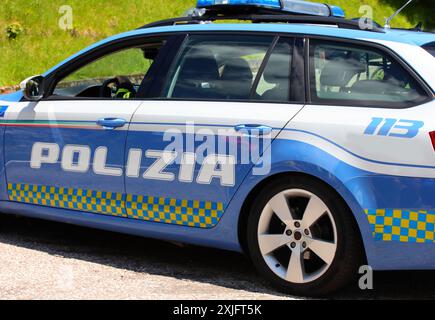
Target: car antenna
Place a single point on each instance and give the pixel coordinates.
(388, 21)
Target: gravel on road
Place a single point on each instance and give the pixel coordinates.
(47, 260)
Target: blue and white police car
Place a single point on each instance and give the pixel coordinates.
(299, 137)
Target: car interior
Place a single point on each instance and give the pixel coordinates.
(227, 72)
(345, 74)
(222, 74)
(101, 78)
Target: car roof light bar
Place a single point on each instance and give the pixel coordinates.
(279, 6)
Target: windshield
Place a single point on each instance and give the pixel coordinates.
(430, 48)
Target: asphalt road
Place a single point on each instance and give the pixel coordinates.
(46, 260)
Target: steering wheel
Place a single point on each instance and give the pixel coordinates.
(106, 91)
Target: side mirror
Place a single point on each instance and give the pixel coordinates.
(33, 88)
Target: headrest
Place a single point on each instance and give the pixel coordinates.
(237, 69)
(338, 73)
(200, 65)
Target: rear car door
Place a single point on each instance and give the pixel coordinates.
(226, 97)
(67, 151)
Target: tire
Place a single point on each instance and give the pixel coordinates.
(319, 261)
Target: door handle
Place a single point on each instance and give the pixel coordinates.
(254, 129)
(111, 123)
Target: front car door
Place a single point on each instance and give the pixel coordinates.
(67, 151)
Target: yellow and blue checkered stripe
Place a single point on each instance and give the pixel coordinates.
(402, 225)
(107, 203)
(199, 214)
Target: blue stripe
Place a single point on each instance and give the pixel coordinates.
(302, 131)
(279, 129)
(55, 121)
(361, 157)
(187, 124)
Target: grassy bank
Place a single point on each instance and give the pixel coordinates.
(40, 43)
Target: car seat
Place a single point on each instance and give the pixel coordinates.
(236, 79)
(198, 76)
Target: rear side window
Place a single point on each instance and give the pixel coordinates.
(218, 67)
(354, 75)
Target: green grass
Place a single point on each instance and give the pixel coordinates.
(42, 43)
(128, 62)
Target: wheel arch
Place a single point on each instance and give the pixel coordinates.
(249, 200)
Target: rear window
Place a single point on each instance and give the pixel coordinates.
(348, 74)
(430, 48)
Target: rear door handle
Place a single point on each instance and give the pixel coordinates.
(254, 129)
(111, 123)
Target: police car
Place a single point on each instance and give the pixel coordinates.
(303, 139)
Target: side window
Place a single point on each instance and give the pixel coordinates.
(217, 67)
(356, 75)
(115, 75)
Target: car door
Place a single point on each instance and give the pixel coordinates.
(225, 99)
(369, 118)
(67, 151)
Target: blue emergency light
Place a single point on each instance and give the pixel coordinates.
(285, 6)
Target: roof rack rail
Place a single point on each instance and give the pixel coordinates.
(278, 6)
(264, 18)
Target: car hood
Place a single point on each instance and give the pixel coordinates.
(12, 97)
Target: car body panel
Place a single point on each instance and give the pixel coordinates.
(11, 97)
